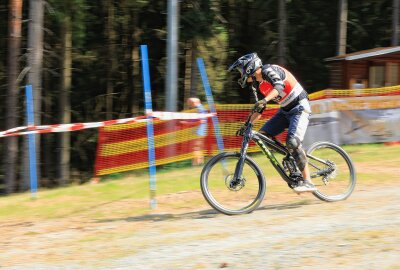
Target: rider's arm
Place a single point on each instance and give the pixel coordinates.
(274, 75)
(257, 114)
(254, 117)
(271, 95)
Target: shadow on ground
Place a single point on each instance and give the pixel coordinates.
(210, 213)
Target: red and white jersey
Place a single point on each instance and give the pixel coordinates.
(277, 77)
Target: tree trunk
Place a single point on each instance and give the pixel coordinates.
(282, 33)
(137, 86)
(112, 60)
(193, 69)
(14, 50)
(342, 27)
(124, 102)
(190, 70)
(49, 162)
(188, 73)
(35, 61)
(395, 23)
(64, 102)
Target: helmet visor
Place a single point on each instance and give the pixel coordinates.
(241, 70)
(242, 81)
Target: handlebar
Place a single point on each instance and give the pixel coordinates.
(247, 125)
(253, 110)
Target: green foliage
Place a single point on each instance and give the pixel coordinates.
(312, 38)
(78, 11)
(197, 19)
(369, 24)
(225, 30)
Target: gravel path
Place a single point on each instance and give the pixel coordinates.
(360, 233)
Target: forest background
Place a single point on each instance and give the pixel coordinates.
(83, 60)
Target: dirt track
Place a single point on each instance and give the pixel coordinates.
(287, 232)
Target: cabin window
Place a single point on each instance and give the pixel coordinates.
(377, 76)
(392, 74)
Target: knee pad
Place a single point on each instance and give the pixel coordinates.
(300, 157)
(293, 143)
(294, 146)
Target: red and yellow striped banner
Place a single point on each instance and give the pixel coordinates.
(124, 147)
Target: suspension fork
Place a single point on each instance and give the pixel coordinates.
(243, 152)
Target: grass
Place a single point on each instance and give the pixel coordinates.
(61, 202)
(374, 163)
(373, 152)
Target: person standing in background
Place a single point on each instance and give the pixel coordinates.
(201, 131)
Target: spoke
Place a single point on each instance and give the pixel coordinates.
(315, 166)
(318, 159)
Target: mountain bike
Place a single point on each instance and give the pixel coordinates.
(233, 183)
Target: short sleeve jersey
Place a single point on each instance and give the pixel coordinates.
(283, 81)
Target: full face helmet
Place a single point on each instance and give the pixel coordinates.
(246, 65)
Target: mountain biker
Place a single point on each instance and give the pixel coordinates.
(279, 85)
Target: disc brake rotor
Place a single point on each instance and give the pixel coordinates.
(234, 184)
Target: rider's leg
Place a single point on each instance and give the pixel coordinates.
(306, 172)
(294, 145)
(299, 119)
(275, 125)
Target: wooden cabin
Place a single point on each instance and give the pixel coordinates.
(377, 67)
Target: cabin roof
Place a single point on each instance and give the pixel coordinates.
(365, 54)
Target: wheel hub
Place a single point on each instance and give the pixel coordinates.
(234, 184)
(332, 174)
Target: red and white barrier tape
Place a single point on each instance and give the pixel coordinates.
(24, 130)
(179, 116)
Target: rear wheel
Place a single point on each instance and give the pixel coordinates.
(332, 171)
(228, 195)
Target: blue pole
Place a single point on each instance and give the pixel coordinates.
(150, 131)
(210, 101)
(31, 141)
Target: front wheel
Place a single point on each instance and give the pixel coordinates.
(332, 171)
(228, 195)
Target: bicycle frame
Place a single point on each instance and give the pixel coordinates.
(265, 143)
